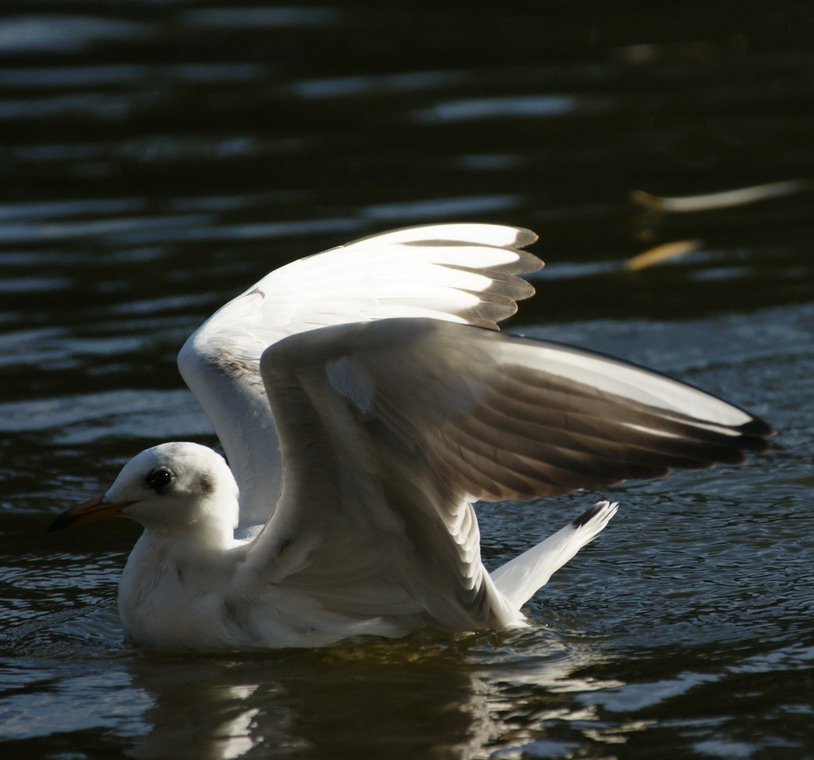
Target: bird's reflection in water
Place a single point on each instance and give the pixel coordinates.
(403, 699)
(201, 708)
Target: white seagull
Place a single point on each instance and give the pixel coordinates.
(365, 399)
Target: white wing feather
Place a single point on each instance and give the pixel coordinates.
(453, 272)
(522, 576)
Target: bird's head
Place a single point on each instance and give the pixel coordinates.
(174, 485)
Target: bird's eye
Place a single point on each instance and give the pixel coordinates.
(159, 479)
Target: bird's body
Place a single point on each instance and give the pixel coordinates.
(365, 400)
(191, 584)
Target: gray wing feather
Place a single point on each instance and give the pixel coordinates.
(390, 429)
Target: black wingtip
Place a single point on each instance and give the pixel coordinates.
(759, 429)
(589, 514)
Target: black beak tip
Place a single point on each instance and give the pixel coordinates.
(59, 523)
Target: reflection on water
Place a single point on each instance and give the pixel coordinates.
(63, 33)
(534, 690)
(159, 157)
(414, 699)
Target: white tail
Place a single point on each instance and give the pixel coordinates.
(520, 578)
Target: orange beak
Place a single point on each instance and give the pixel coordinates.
(95, 509)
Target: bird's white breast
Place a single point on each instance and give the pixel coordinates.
(167, 600)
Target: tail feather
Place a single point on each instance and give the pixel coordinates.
(521, 577)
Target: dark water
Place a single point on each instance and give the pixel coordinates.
(158, 157)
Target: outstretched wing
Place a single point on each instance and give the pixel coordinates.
(457, 272)
(389, 430)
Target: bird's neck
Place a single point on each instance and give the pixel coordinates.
(192, 552)
(203, 540)
(167, 581)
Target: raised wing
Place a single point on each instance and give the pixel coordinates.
(457, 272)
(390, 429)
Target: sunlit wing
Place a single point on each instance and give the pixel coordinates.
(390, 429)
(456, 272)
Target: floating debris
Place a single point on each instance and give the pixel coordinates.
(662, 253)
(660, 205)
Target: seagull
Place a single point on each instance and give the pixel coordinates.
(365, 400)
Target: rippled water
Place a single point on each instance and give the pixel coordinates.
(157, 158)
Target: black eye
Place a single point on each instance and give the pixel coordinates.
(159, 479)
